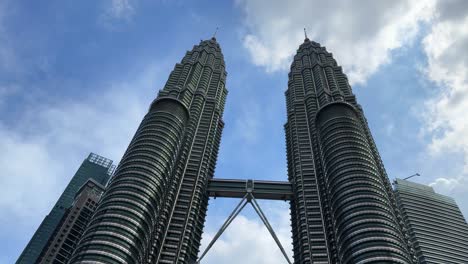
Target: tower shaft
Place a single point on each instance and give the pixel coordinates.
(343, 210)
(154, 209)
(205, 97)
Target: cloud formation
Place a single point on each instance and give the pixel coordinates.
(50, 140)
(445, 116)
(360, 36)
(116, 13)
(247, 240)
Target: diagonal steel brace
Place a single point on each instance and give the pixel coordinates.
(228, 221)
(262, 216)
(248, 198)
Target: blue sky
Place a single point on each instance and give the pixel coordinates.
(78, 76)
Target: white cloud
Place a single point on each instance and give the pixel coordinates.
(455, 187)
(445, 120)
(445, 47)
(446, 184)
(360, 36)
(116, 13)
(247, 240)
(23, 165)
(121, 9)
(47, 143)
(43, 147)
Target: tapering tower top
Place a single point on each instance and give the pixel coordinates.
(305, 35)
(315, 73)
(204, 62)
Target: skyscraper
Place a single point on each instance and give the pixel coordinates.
(93, 167)
(438, 230)
(154, 208)
(71, 227)
(344, 210)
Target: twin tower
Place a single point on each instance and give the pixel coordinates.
(342, 206)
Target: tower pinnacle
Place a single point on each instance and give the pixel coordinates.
(305, 35)
(214, 34)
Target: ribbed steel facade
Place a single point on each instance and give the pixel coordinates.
(438, 230)
(344, 210)
(154, 209)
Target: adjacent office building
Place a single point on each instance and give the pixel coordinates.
(438, 230)
(73, 224)
(93, 167)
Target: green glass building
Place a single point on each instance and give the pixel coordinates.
(93, 167)
(438, 230)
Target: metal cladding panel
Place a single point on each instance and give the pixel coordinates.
(321, 206)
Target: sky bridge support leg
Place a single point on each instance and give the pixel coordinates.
(248, 198)
(262, 216)
(228, 221)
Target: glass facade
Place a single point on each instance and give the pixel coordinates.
(94, 167)
(438, 230)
